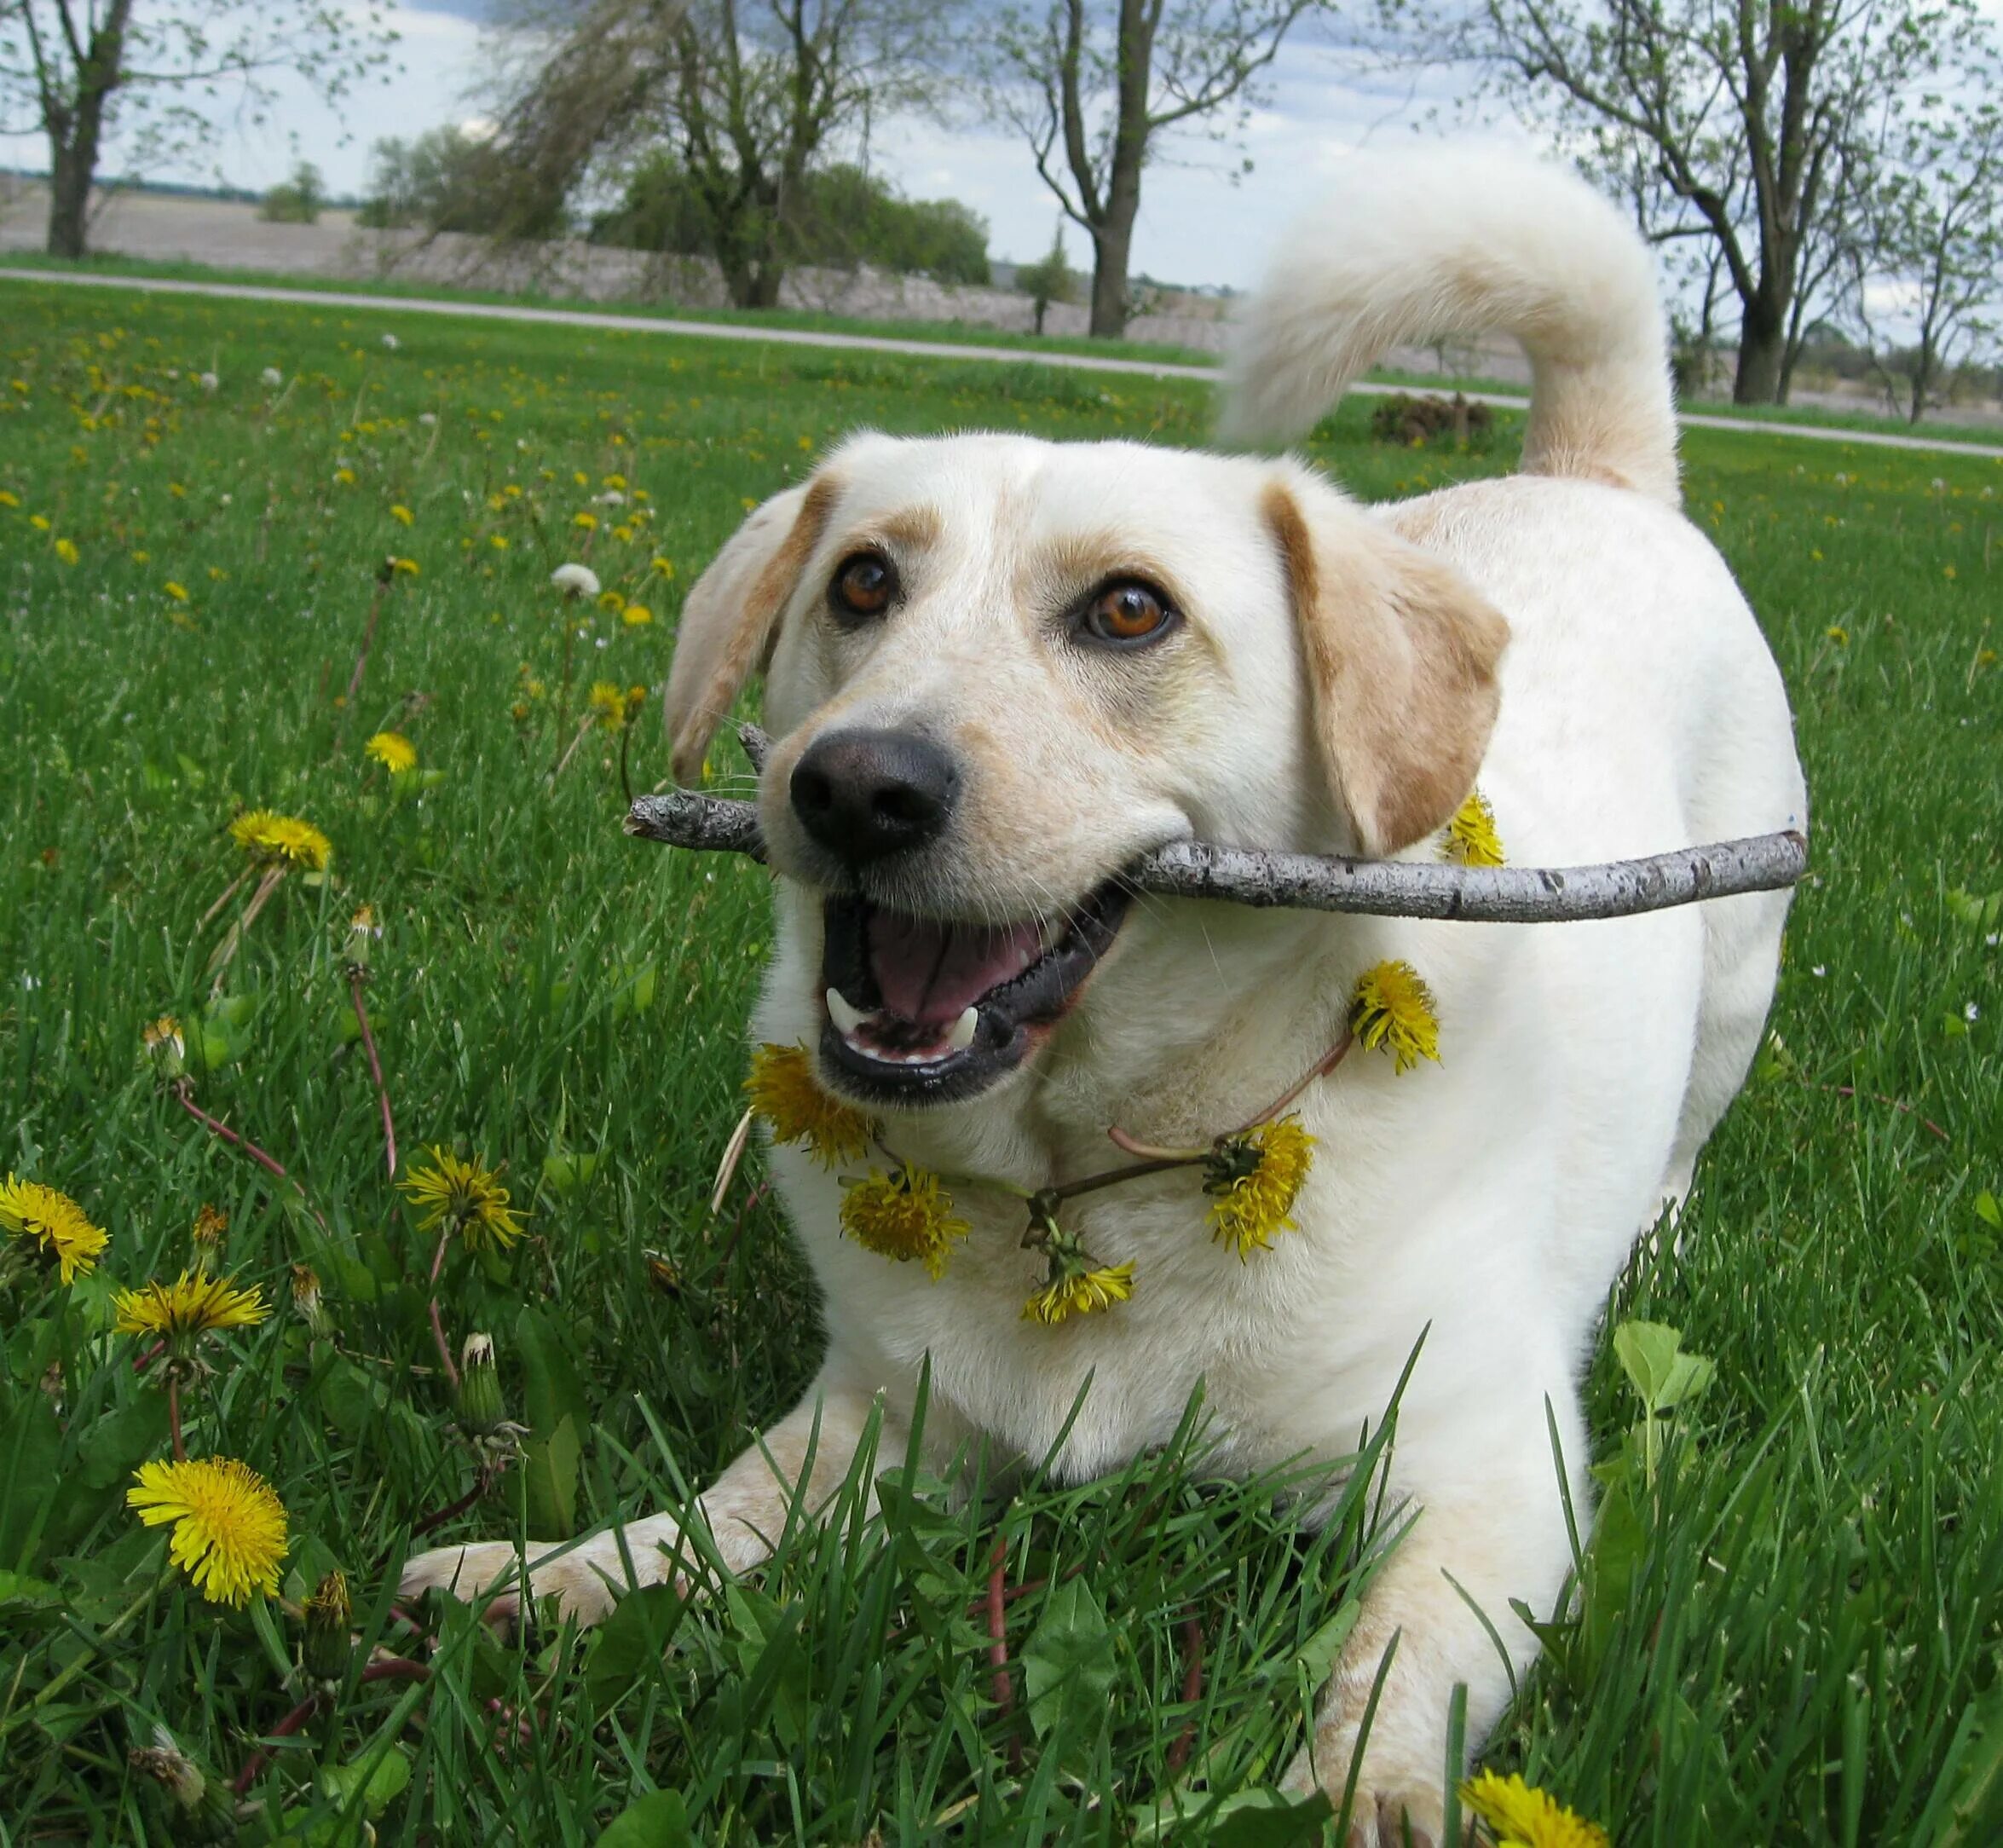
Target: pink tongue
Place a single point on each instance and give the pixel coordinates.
(931, 973)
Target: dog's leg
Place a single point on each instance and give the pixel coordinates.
(807, 1455)
(1497, 1531)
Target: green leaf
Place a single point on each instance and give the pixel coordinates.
(627, 1647)
(1316, 1657)
(1068, 1667)
(659, 1820)
(122, 1440)
(1987, 1210)
(379, 1784)
(1265, 1819)
(549, 1467)
(554, 1390)
(1662, 1374)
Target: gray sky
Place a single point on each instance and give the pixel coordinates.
(1198, 225)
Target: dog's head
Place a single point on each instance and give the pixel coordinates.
(1000, 669)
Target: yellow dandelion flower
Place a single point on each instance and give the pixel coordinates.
(1392, 1008)
(1838, 634)
(345, 477)
(56, 1224)
(404, 568)
(499, 541)
(211, 1223)
(636, 616)
(783, 1091)
(229, 1525)
(611, 600)
(1253, 1181)
(178, 591)
(465, 1198)
(1081, 1292)
(66, 550)
(1471, 836)
(904, 1215)
(274, 838)
(1520, 1816)
(664, 568)
(613, 482)
(401, 514)
(393, 751)
(8, 498)
(585, 522)
(193, 1304)
(39, 522)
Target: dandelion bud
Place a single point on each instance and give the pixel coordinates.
(328, 1642)
(199, 1807)
(480, 1408)
(362, 932)
(211, 1223)
(165, 1047)
(306, 1300)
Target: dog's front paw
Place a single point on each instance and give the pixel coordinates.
(585, 1579)
(1395, 1802)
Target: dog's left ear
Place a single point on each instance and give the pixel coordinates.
(730, 618)
(1402, 652)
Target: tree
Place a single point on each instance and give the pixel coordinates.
(78, 70)
(840, 215)
(1934, 239)
(1094, 84)
(1751, 126)
(749, 100)
(297, 200)
(446, 179)
(1050, 279)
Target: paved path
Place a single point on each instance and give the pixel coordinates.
(862, 343)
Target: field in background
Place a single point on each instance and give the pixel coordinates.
(1791, 1640)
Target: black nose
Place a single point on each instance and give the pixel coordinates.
(862, 795)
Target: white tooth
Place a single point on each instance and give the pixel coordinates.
(847, 1018)
(964, 1028)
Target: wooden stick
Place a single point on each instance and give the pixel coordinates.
(1310, 882)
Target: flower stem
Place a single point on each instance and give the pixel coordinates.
(229, 893)
(269, 1164)
(390, 1668)
(998, 1648)
(439, 1517)
(225, 952)
(570, 751)
(375, 1067)
(625, 745)
(445, 1358)
(1321, 1068)
(1092, 1183)
(1134, 1146)
(174, 1414)
(368, 637)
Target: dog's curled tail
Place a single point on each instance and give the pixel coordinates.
(1439, 241)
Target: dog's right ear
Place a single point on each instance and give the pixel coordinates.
(731, 617)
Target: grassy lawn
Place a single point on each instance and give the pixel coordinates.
(1788, 1635)
(1941, 428)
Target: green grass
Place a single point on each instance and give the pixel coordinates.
(1789, 1636)
(942, 332)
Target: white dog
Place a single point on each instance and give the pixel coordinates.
(1000, 668)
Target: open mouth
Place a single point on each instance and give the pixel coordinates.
(928, 1010)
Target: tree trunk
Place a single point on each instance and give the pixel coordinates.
(73, 159)
(1109, 279)
(1762, 353)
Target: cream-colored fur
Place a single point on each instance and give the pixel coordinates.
(1341, 676)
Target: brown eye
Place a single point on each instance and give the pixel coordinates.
(1127, 612)
(863, 585)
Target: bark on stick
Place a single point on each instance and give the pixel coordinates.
(1311, 882)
